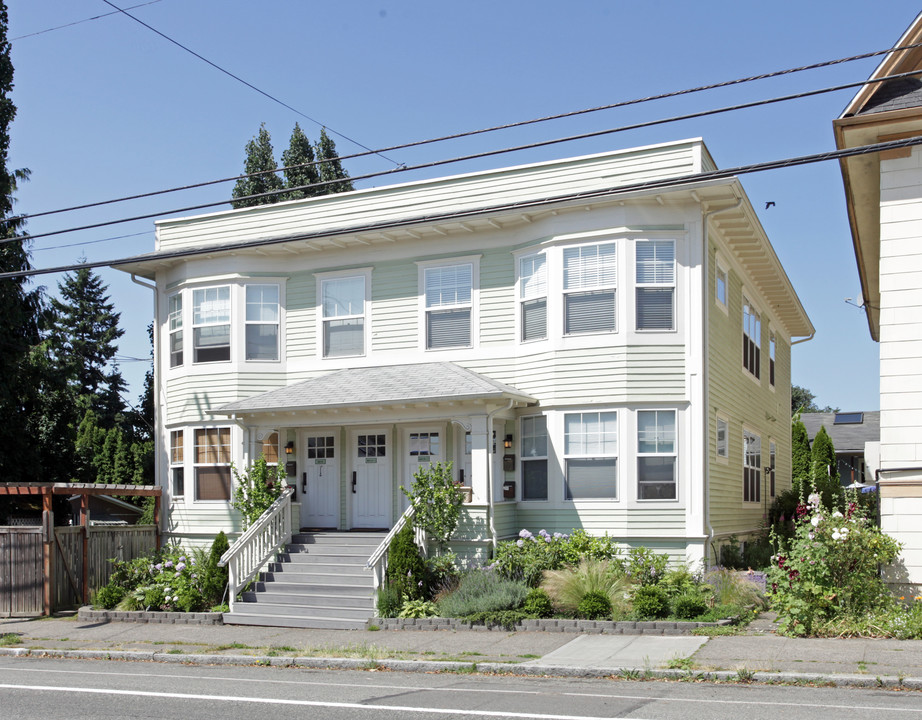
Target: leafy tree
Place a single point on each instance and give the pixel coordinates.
(300, 168)
(330, 166)
(801, 458)
(802, 401)
(83, 332)
(825, 469)
(256, 489)
(259, 159)
(437, 500)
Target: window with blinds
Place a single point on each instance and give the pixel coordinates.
(534, 458)
(343, 301)
(211, 317)
(591, 455)
(175, 322)
(752, 467)
(589, 284)
(752, 339)
(177, 469)
(533, 297)
(262, 322)
(656, 455)
(655, 284)
(449, 302)
(212, 464)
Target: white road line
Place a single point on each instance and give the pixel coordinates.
(307, 703)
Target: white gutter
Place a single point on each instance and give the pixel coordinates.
(158, 434)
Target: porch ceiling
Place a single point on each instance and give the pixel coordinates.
(389, 385)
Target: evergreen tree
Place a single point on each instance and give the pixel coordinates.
(19, 305)
(825, 469)
(83, 332)
(300, 169)
(330, 166)
(801, 459)
(260, 158)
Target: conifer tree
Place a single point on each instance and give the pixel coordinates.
(330, 166)
(825, 469)
(259, 159)
(300, 170)
(801, 459)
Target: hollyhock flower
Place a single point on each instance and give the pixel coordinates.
(815, 520)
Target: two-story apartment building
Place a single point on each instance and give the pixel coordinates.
(601, 342)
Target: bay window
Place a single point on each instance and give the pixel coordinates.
(752, 338)
(752, 467)
(589, 287)
(262, 322)
(655, 284)
(534, 458)
(591, 455)
(533, 297)
(211, 315)
(656, 455)
(175, 329)
(212, 464)
(177, 468)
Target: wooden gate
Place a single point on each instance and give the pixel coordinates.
(21, 577)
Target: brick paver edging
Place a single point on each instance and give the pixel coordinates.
(144, 616)
(598, 627)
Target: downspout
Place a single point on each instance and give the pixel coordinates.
(490, 462)
(156, 390)
(706, 404)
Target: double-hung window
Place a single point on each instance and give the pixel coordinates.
(720, 286)
(177, 469)
(534, 458)
(533, 297)
(262, 322)
(211, 317)
(771, 468)
(589, 287)
(449, 304)
(212, 464)
(656, 455)
(655, 284)
(752, 338)
(723, 438)
(270, 448)
(771, 359)
(343, 300)
(752, 467)
(175, 322)
(591, 455)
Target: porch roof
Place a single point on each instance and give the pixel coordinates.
(384, 385)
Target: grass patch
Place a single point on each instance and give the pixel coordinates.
(8, 639)
(678, 663)
(174, 651)
(529, 656)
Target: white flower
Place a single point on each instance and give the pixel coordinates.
(837, 514)
(835, 535)
(815, 520)
(843, 532)
(814, 499)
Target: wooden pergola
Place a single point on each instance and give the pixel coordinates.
(84, 490)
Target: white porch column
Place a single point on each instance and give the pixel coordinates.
(481, 444)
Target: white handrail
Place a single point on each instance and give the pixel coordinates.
(263, 539)
(377, 561)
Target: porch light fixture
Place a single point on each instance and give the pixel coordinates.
(290, 447)
(507, 442)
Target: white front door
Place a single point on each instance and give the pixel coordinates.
(370, 483)
(319, 480)
(422, 447)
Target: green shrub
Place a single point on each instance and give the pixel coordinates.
(406, 569)
(538, 604)
(256, 489)
(214, 578)
(417, 609)
(437, 501)
(730, 587)
(644, 566)
(650, 603)
(108, 596)
(689, 605)
(482, 591)
(389, 601)
(506, 619)
(594, 606)
(528, 558)
(568, 587)
(443, 573)
(679, 581)
(154, 597)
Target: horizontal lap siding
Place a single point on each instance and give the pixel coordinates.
(197, 526)
(395, 307)
(301, 317)
(497, 299)
(191, 396)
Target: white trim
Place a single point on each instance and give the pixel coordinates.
(319, 279)
(422, 267)
(721, 418)
(721, 269)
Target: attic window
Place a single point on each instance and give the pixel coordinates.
(850, 418)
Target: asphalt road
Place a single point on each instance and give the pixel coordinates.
(75, 689)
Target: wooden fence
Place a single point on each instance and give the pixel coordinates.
(21, 571)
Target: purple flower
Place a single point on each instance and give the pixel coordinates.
(168, 563)
(158, 566)
(180, 567)
(520, 543)
(525, 534)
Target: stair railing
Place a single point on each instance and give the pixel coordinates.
(262, 540)
(377, 561)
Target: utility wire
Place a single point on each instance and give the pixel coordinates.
(92, 242)
(475, 156)
(691, 179)
(470, 133)
(249, 85)
(78, 22)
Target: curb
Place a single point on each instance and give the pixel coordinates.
(526, 670)
(590, 627)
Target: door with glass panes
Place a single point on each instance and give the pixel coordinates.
(423, 446)
(370, 479)
(319, 480)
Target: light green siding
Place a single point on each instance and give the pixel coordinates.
(300, 316)
(497, 298)
(395, 307)
(189, 397)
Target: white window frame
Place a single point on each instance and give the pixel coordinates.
(772, 457)
(177, 464)
(573, 446)
(471, 305)
(585, 284)
(663, 279)
(721, 277)
(752, 339)
(532, 289)
(530, 438)
(247, 323)
(661, 441)
(722, 424)
(229, 322)
(175, 329)
(752, 474)
(772, 344)
(364, 316)
(197, 465)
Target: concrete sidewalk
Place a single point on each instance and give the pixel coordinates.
(758, 655)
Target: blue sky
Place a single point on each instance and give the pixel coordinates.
(106, 108)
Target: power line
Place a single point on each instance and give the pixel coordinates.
(470, 133)
(695, 178)
(78, 22)
(477, 156)
(92, 242)
(249, 85)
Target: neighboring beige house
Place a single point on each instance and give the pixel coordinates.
(588, 351)
(884, 196)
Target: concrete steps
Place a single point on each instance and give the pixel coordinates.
(318, 581)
